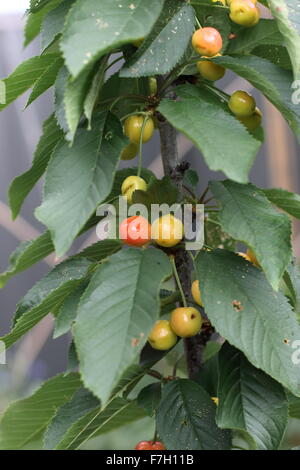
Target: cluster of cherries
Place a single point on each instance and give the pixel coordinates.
(208, 43)
(167, 231)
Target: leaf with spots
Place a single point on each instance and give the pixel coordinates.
(246, 311)
(116, 315)
(110, 24)
(186, 418)
(166, 44)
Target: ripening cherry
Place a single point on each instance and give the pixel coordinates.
(196, 293)
(150, 445)
(207, 41)
(133, 128)
(144, 445)
(244, 12)
(210, 71)
(135, 231)
(245, 256)
(129, 152)
(252, 122)
(131, 184)
(186, 322)
(167, 231)
(138, 42)
(162, 336)
(252, 257)
(242, 104)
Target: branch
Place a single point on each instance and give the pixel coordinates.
(175, 170)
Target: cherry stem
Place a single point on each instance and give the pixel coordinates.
(189, 191)
(214, 222)
(198, 23)
(178, 282)
(136, 113)
(216, 91)
(208, 200)
(142, 98)
(154, 373)
(140, 164)
(202, 197)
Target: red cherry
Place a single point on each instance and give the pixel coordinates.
(135, 231)
(158, 446)
(144, 445)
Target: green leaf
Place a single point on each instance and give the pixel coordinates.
(27, 418)
(54, 22)
(250, 401)
(220, 137)
(248, 216)
(108, 26)
(292, 278)
(27, 254)
(36, 5)
(215, 236)
(211, 350)
(94, 91)
(60, 87)
(68, 311)
(208, 376)
(274, 82)
(116, 87)
(23, 184)
(116, 414)
(149, 398)
(166, 44)
(247, 312)
(75, 93)
(186, 418)
(35, 19)
(287, 15)
(25, 75)
(278, 55)
(90, 164)
(294, 406)
(191, 178)
(264, 33)
(46, 80)
(45, 295)
(100, 250)
(80, 404)
(72, 358)
(287, 201)
(124, 293)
